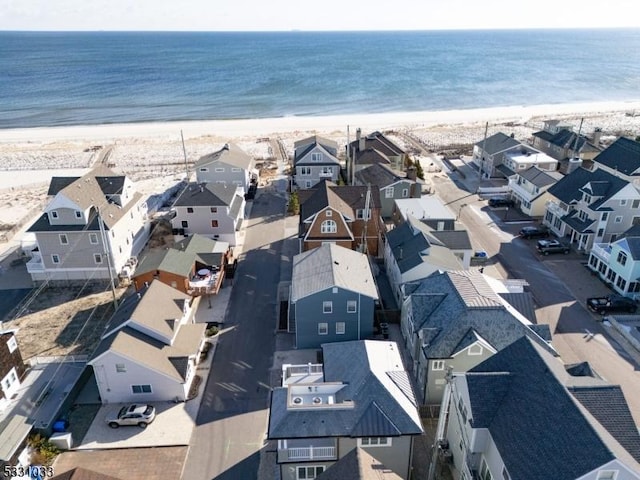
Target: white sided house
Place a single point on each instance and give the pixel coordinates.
(228, 166)
(150, 349)
(315, 159)
(93, 224)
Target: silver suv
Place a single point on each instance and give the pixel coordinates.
(140, 415)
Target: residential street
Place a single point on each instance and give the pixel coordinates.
(231, 424)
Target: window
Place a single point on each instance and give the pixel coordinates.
(189, 209)
(235, 169)
(307, 184)
(582, 215)
(623, 203)
(340, 328)
(586, 197)
(604, 217)
(93, 238)
(55, 258)
(305, 170)
(634, 287)
(621, 283)
(475, 349)
(360, 214)
(607, 475)
(309, 472)
(323, 328)
(462, 409)
(214, 223)
(328, 226)
(184, 224)
(485, 474)
(635, 204)
(327, 170)
(54, 214)
(316, 157)
(214, 209)
(219, 169)
(618, 220)
(327, 307)
(12, 344)
(328, 213)
(352, 306)
(405, 192)
(97, 258)
(388, 192)
(141, 388)
(622, 258)
(121, 368)
(374, 442)
(78, 214)
(64, 240)
(174, 284)
(437, 365)
(600, 232)
(204, 169)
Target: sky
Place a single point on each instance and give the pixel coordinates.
(285, 15)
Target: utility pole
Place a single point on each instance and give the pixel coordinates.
(107, 253)
(575, 144)
(349, 166)
(442, 420)
(484, 143)
(366, 217)
(186, 165)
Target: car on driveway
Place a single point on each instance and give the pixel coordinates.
(611, 304)
(501, 202)
(534, 232)
(136, 414)
(546, 247)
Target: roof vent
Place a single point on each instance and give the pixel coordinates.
(297, 400)
(317, 400)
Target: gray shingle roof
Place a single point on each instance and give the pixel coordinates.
(230, 154)
(566, 139)
(467, 302)
(380, 406)
(569, 189)
(517, 395)
(622, 155)
(540, 178)
(498, 142)
(379, 175)
(380, 142)
(301, 156)
(522, 302)
(453, 239)
(207, 194)
(330, 266)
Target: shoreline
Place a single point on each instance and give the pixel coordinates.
(320, 124)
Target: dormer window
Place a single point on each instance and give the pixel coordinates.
(586, 198)
(78, 214)
(623, 203)
(54, 214)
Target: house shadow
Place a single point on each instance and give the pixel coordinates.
(246, 469)
(84, 329)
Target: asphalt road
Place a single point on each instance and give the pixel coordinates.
(231, 424)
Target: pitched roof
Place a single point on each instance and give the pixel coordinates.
(316, 139)
(230, 154)
(566, 139)
(465, 300)
(622, 155)
(358, 464)
(369, 372)
(207, 194)
(344, 199)
(80, 473)
(377, 141)
(453, 239)
(301, 155)
(498, 142)
(330, 266)
(540, 178)
(380, 175)
(598, 183)
(58, 183)
(371, 156)
(519, 395)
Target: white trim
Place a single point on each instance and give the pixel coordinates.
(366, 442)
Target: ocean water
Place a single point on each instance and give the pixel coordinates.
(51, 79)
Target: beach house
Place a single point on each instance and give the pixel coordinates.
(332, 297)
(529, 187)
(429, 209)
(315, 158)
(489, 153)
(558, 140)
(360, 396)
(150, 348)
(214, 210)
(347, 215)
(391, 184)
(522, 405)
(372, 149)
(89, 230)
(457, 319)
(230, 166)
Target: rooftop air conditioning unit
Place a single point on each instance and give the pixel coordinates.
(317, 400)
(297, 400)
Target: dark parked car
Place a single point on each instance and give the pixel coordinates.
(534, 232)
(546, 247)
(611, 304)
(140, 415)
(500, 202)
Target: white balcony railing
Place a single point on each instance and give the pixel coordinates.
(602, 251)
(35, 265)
(556, 209)
(521, 192)
(311, 453)
(325, 174)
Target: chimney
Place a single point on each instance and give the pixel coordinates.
(597, 133)
(513, 135)
(361, 141)
(226, 146)
(412, 173)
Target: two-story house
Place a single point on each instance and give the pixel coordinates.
(315, 158)
(89, 230)
(558, 140)
(391, 185)
(591, 206)
(332, 297)
(458, 319)
(489, 153)
(150, 348)
(522, 414)
(361, 396)
(622, 159)
(228, 166)
(373, 149)
(413, 252)
(214, 210)
(519, 159)
(194, 265)
(618, 263)
(347, 215)
(529, 190)
(428, 209)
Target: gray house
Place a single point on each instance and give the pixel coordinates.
(213, 210)
(332, 296)
(360, 397)
(228, 166)
(391, 184)
(522, 414)
(457, 320)
(373, 149)
(315, 158)
(489, 153)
